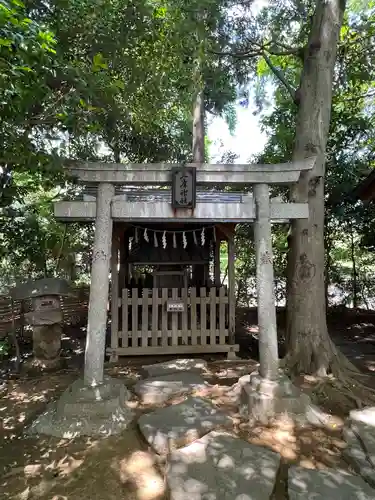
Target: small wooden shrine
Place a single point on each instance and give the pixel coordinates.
(168, 295)
(167, 286)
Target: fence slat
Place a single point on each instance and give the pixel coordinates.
(155, 319)
(193, 316)
(134, 313)
(145, 317)
(213, 316)
(174, 319)
(164, 318)
(125, 318)
(184, 319)
(203, 317)
(222, 315)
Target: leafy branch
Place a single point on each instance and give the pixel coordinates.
(280, 75)
(264, 50)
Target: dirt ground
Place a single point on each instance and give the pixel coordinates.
(122, 467)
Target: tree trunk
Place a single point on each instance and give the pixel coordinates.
(198, 157)
(354, 269)
(328, 240)
(198, 128)
(310, 349)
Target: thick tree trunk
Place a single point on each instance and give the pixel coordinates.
(198, 128)
(310, 349)
(355, 293)
(328, 240)
(198, 157)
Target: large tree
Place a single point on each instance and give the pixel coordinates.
(297, 44)
(309, 346)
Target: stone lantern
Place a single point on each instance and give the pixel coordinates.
(45, 318)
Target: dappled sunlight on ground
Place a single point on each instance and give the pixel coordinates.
(307, 446)
(370, 364)
(140, 473)
(122, 467)
(26, 398)
(35, 465)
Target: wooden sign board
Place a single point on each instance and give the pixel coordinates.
(184, 191)
(175, 305)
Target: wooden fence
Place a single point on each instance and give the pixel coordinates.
(143, 324)
(74, 309)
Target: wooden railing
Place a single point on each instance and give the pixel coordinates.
(144, 321)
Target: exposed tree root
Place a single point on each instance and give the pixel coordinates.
(345, 387)
(335, 373)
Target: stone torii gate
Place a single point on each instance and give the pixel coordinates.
(257, 208)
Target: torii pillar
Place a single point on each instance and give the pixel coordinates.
(99, 288)
(96, 405)
(269, 393)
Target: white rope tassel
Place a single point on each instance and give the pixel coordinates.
(136, 234)
(145, 235)
(195, 238)
(203, 238)
(164, 239)
(174, 241)
(130, 243)
(156, 244)
(184, 239)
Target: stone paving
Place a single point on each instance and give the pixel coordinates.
(220, 466)
(359, 433)
(206, 462)
(177, 425)
(158, 389)
(306, 484)
(175, 366)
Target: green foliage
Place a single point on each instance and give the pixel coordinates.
(93, 80)
(4, 348)
(115, 81)
(275, 43)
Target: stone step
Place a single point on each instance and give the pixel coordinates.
(361, 449)
(220, 466)
(175, 365)
(178, 425)
(327, 484)
(365, 416)
(157, 390)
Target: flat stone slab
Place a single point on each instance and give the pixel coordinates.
(366, 436)
(178, 425)
(86, 411)
(327, 484)
(157, 390)
(361, 449)
(222, 467)
(176, 365)
(365, 416)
